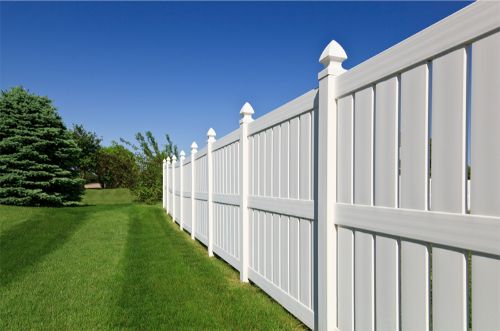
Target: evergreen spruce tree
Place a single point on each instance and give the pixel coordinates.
(37, 153)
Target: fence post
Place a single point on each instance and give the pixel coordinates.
(181, 189)
(174, 159)
(194, 150)
(169, 207)
(246, 117)
(211, 139)
(164, 191)
(331, 58)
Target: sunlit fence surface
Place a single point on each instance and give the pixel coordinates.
(326, 203)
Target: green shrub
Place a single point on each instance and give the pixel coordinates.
(37, 153)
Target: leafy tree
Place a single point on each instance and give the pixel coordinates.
(37, 153)
(89, 144)
(116, 167)
(149, 158)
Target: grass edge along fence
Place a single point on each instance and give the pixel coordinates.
(325, 203)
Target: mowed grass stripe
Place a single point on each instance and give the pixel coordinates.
(124, 266)
(75, 285)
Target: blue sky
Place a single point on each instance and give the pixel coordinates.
(180, 68)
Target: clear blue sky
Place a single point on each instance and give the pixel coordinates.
(180, 68)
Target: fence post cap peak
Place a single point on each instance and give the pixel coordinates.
(182, 155)
(246, 113)
(194, 147)
(211, 135)
(174, 158)
(333, 52)
(247, 109)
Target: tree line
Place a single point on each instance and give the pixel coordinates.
(44, 163)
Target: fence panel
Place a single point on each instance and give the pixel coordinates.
(485, 175)
(227, 222)
(201, 192)
(282, 240)
(186, 196)
(420, 132)
(388, 248)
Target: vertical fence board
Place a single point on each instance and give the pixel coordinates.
(276, 161)
(305, 262)
(387, 283)
(448, 186)
(269, 162)
(448, 290)
(251, 240)
(414, 286)
(345, 260)
(294, 257)
(344, 149)
(294, 158)
(276, 249)
(413, 154)
(284, 253)
(269, 246)
(284, 159)
(363, 168)
(413, 195)
(386, 143)
(262, 242)
(485, 292)
(262, 163)
(305, 157)
(448, 136)
(364, 289)
(252, 162)
(238, 231)
(256, 165)
(485, 177)
(485, 126)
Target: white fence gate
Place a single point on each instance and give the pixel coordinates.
(326, 204)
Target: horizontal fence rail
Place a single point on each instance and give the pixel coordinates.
(372, 202)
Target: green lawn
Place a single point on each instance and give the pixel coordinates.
(115, 264)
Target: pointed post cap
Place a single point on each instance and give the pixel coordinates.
(194, 147)
(332, 57)
(164, 161)
(174, 158)
(246, 113)
(182, 155)
(211, 135)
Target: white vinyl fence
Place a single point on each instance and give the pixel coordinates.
(326, 204)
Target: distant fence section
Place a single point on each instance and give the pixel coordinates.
(327, 203)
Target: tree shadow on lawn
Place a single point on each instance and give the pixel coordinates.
(25, 244)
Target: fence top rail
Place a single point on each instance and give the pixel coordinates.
(456, 30)
(293, 108)
(226, 140)
(201, 153)
(287, 111)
